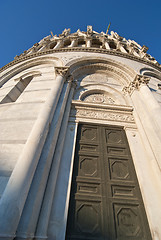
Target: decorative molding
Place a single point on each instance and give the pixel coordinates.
(133, 48)
(81, 49)
(138, 81)
(63, 71)
(109, 113)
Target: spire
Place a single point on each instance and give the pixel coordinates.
(108, 28)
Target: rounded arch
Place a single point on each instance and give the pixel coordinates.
(91, 92)
(119, 71)
(19, 68)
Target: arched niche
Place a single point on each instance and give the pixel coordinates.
(99, 94)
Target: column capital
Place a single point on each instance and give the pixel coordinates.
(136, 83)
(63, 71)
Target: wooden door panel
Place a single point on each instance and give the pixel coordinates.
(114, 136)
(88, 166)
(88, 188)
(119, 169)
(118, 151)
(123, 191)
(128, 221)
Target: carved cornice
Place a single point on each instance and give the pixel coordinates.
(99, 112)
(63, 71)
(138, 81)
(81, 49)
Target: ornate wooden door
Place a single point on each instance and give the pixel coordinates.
(105, 201)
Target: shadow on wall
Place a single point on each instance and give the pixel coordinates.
(16, 91)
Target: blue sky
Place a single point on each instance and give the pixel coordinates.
(25, 22)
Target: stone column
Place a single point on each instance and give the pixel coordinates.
(74, 42)
(42, 228)
(88, 42)
(107, 46)
(28, 221)
(148, 112)
(59, 44)
(105, 42)
(60, 205)
(120, 47)
(132, 51)
(149, 178)
(152, 105)
(16, 192)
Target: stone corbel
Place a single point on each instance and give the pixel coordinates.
(63, 71)
(136, 83)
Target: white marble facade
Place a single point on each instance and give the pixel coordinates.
(45, 93)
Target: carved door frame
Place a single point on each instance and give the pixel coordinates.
(114, 115)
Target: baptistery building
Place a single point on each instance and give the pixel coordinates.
(80, 142)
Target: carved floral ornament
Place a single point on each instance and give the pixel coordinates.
(101, 98)
(63, 71)
(138, 81)
(108, 113)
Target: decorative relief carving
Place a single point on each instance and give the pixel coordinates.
(102, 114)
(98, 98)
(63, 71)
(138, 81)
(134, 48)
